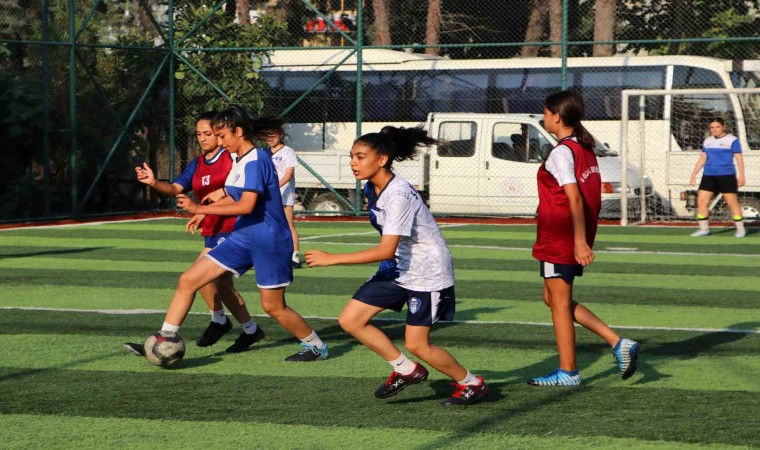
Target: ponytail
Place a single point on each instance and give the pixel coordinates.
(584, 137)
(569, 106)
(399, 144)
(253, 129)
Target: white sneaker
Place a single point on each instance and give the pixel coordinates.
(700, 233)
(740, 234)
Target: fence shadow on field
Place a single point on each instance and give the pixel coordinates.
(66, 251)
(690, 348)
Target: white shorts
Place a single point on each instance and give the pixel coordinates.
(288, 193)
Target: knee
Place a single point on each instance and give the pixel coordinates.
(347, 323)
(187, 282)
(273, 309)
(418, 349)
(547, 301)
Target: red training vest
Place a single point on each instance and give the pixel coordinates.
(555, 242)
(206, 179)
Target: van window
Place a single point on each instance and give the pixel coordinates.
(518, 142)
(457, 139)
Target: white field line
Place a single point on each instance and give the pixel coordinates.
(85, 224)
(471, 322)
(496, 247)
(367, 233)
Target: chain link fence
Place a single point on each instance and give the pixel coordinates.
(92, 87)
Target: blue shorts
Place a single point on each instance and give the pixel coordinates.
(567, 272)
(423, 308)
(273, 270)
(213, 241)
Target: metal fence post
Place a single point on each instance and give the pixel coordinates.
(359, 93)
(73, 109)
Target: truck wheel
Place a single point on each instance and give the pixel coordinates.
(327, 202)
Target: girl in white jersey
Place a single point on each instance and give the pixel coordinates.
(285, 161)
(416, 268)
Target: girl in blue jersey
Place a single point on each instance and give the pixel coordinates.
(261, 237)
(203, 175)
(416, 268)
(719, 176)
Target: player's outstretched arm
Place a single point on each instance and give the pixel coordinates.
(145, 175)
(386, 249)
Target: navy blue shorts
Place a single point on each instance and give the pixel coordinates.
(567, 272)
(423, 308)
(273, 270)
(213, 241)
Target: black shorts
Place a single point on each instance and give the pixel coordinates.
(725, 184)
(423, 308)
(567, 272)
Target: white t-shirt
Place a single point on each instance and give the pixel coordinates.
(283, 159)
(561, 164)
(422, 257)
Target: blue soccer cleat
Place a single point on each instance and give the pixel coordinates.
(308, 353)
(558, 378)
(626, 353)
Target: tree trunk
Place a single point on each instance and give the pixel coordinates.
(244, 12)
(555, 26)
(433, 31)
(381, 9)
(604, 27)
(535, 30)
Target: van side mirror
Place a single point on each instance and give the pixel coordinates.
(545, 150)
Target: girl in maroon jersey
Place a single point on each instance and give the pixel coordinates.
(569, 190)
(203, 176)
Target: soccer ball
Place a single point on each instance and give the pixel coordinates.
(164, 348)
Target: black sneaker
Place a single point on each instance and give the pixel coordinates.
(296, 264)
(245, 340)
(134, 348)
(213, 333)
(397, 382)
(467, 394)
(308, 353)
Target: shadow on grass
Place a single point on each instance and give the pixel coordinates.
(66, 251)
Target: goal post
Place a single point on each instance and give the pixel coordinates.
(661, 134)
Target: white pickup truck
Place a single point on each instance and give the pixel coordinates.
(485, 165)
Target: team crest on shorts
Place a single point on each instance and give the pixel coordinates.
(414, 305)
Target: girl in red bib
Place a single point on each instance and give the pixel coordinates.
(569, 191)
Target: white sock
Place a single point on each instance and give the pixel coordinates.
(704, 224)
(169, 327)
(403, 365)
(739, 225)
(314, 340)
(470, 380)
(218, 317)
(296, 255)
(249, 327)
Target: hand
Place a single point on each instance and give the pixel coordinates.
(213, 197)
(693, 180)
(741, 181)
(184, 202)
(318, 258)
(145, 175)
(194, 224)
(583, 254)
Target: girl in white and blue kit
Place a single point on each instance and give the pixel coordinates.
(416, 269)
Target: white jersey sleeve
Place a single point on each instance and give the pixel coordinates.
(561, 164)
(399, 216)
(289, 157)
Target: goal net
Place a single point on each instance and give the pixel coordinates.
(661, 136)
